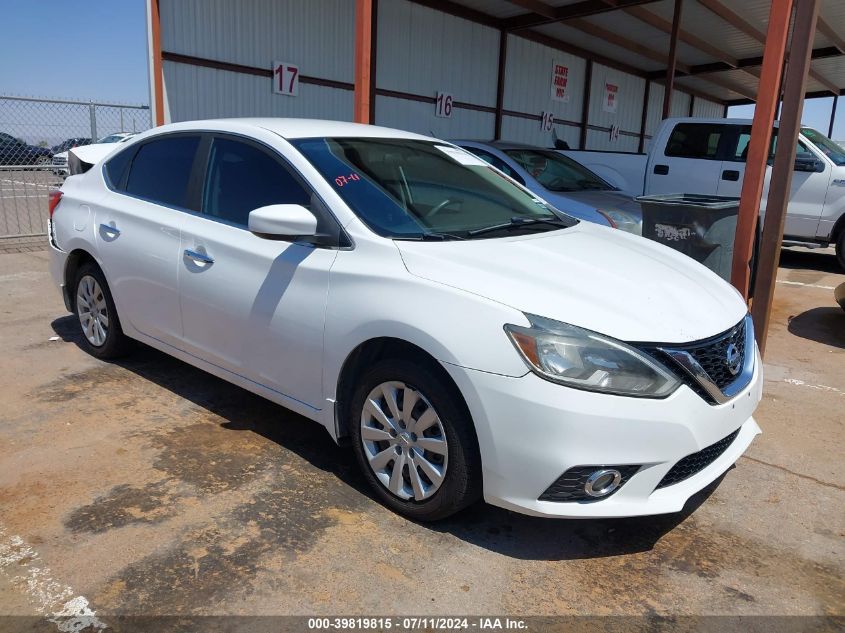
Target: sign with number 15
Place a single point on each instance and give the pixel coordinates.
(285, 79)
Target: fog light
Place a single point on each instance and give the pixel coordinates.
(602, 482)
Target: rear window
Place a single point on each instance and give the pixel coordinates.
(695, 140)
(116, 167)
(161, 169)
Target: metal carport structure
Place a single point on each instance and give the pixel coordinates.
(682, 53)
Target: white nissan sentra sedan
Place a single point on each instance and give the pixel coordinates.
(465, 338)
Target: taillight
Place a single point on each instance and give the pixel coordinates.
(55, 196)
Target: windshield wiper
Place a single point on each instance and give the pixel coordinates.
(431, 236)
(518, 222)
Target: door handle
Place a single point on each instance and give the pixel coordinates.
(108, 228)
(730, 174)
(661, 170)
(198, 257)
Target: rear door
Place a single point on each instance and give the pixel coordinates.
(807, 193)
(689, 162)
(252, 305)
(137, 230)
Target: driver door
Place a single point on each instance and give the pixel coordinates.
(251, 305)
(806, 193)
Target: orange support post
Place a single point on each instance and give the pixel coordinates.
(363, 54)
(761, 138)
(156, 70)
(794, 85)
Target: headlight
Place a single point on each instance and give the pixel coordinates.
(623, 220)
(579, 358)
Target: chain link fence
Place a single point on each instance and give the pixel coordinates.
(35, 135)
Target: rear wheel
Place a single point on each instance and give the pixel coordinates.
(414, 440)
(101, 332)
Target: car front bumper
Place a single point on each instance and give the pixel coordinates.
(530, 431)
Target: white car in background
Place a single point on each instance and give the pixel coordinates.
(465, 337)
(60, 160)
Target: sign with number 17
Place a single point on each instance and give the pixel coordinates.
(285, 79)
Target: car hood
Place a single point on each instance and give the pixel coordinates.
(607, 200)
(594, 277)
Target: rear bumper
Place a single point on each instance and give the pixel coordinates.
(531, 431)
(58, 263)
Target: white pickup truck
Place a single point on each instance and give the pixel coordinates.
(707, 156)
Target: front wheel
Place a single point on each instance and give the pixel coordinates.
(101, 332)
(414, 440)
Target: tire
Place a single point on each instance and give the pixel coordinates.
(840, 249)
(422, 497)
(94, 307)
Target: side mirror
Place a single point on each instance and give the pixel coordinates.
(282, 221)
(808, 164)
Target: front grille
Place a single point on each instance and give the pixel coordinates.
(570, 485)
(59, 160)
(691, 464)
(712, 356)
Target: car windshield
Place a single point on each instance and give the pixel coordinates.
(830, 149)
(414, 189)
(556, 172)
(111, 138)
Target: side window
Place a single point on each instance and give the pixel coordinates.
(115, 169)
(497, 162)
(695, 140)
(161, 169)
(242, 177)
(740, 153)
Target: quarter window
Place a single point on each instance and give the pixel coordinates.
(161, 170)
(116, 168)
(242, 177)
(695, 140)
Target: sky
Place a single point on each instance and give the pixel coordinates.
(97, 50)
(89, 50)
(816, 115)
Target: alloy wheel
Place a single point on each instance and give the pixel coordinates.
(93, 311)
(404, 441)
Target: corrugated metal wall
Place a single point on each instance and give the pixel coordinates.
(416, 116)
(203, 93)
(528, 131)
(317, 35)
(528, 75)
(707, 109)
(420, 51)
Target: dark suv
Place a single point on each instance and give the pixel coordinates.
(14, 151)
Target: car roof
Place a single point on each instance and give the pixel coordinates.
(297, 128)
(501, 145)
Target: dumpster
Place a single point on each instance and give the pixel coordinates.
(700, 226)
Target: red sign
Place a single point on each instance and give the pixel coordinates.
(611, 97)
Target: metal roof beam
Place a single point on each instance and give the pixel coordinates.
(613, 38)
(536, 6)
(581, 9)
(827, 83)
(837, 40)
(748, 62)
(748, 93)
(732, 18)
(646, 16)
